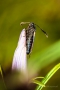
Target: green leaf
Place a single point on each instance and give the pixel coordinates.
(49, 75)
(2, 77)
(38, 82)
(37, 78)
(1, 72)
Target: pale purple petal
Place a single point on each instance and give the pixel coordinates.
(19, 58)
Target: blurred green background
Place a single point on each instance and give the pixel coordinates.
(46, 14)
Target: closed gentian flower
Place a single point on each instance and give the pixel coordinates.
(19, 58)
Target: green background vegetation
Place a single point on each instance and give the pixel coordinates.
(46, 51)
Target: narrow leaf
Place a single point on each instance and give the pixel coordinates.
(39, 83)
(49, 75)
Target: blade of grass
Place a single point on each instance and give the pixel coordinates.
(2, 77)
(37, 78)
(38, 83)
(48, 76)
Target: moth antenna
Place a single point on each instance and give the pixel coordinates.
(24, 23)
(42, 30)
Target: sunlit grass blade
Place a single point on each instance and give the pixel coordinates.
(38, 82)
(2, 77)
(37, 78)
(48, 76)
(44, 58)
(1, 71)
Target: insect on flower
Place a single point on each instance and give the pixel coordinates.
(30, 34)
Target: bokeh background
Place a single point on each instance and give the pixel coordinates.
(46, 14)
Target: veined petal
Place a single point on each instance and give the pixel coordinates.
(19, 58)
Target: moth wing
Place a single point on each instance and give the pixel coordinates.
(33, 41)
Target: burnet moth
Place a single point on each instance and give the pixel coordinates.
(30, 34)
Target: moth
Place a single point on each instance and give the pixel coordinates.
(30, 34)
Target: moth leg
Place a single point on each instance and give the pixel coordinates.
(29, 55)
